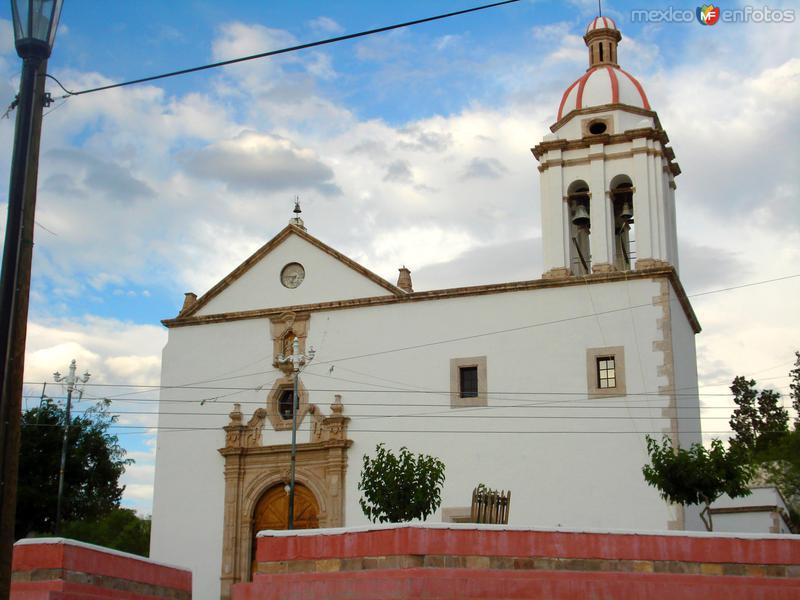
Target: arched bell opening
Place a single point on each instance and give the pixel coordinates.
(624, 234)
(580, 228)
(272, 512)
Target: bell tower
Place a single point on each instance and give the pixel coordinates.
(607, 173)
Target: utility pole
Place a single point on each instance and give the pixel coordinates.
(298, 360)
(71, 381)
(35, 26)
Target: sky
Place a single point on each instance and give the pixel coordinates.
(408, 147)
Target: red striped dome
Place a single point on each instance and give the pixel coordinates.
(601, 23)
(600, 85)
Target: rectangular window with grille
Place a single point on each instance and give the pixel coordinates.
(285, 404)
(606, 372)
(468, 382)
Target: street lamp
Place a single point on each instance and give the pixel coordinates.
(298, 360)
(35, 24)
(71, 381)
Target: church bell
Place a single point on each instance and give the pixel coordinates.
(581, 216)
(626, 214)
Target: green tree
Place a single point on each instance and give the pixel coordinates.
(759, 421)
(697, 475)
(761, 430)
(95, 462)
(794, 388)
(120, 529)
(400, 488)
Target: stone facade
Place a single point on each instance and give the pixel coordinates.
(252, 468)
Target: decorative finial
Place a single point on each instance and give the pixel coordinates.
(296, 220)
(404, 280)
(599, 8)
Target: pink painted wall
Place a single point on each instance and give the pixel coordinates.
(59, 569)
(494, 562)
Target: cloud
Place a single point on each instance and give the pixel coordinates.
(420, 140)
(513, 261)
(447, 41)
(707, 267)
(106, 178)
(261, 162)
(235, 40)
(139, 477)
(419, 246)
(398, 171)
(99, 345)
(483, 168)
(324, 24)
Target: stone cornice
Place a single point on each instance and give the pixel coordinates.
(604, 108)
(266, 249)
(284, 448)
(647, 133)
(480, 290)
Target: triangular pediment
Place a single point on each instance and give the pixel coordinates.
(318, 274)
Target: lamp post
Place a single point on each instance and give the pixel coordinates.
(35, 24)
(298, 360)
(71, 381)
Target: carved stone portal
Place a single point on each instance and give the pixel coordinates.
(251, 469)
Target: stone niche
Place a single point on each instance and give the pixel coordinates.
(283, 329)
(252, 468)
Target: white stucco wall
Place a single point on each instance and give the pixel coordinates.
(622, 119)
(569, 460)
(687, 397)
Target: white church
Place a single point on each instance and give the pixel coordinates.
(544, 387)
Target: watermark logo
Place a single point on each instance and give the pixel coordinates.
(708, 14)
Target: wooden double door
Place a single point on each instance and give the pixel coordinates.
(272, 512)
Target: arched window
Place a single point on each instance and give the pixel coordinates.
(624, 239)
(580, 228)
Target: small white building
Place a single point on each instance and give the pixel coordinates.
(763, 511)
(544, 387)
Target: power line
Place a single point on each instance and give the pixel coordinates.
(439, 405)
(232, 61)
(148, 387)
(429, 344)
(449, 415)
(422, 431)
(400, 391)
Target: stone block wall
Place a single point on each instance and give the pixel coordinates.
(451, 561)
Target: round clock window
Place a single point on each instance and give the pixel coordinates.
(292, 275)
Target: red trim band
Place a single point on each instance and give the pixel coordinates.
(564, 99)
(614, 84)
